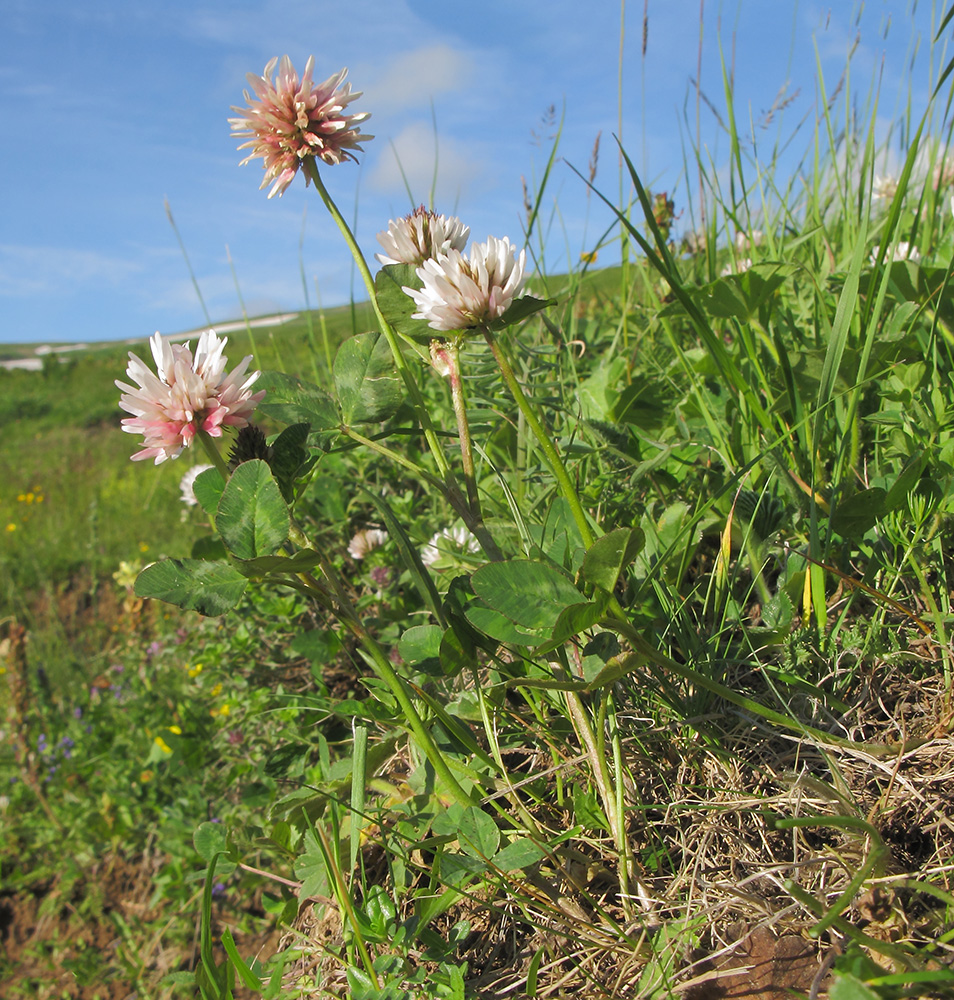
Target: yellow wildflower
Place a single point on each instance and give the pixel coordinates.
(174, 729)
(163, 746)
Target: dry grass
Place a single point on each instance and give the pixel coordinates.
(713, 912)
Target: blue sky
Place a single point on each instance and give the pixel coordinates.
(112, 106)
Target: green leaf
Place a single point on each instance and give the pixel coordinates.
(209, 547)
(252, 517)
(420, 644)
(520, 309)
(498, 626)
(456, 653)
(519, 854)
(587, 809)
(208, 488)
(294, 401)
(531, 594)
(847, 987)
(366, 380)
(478, 834)
(210, 839)
(410, 556)
(211, 588)
(397, 305)
(608, 556)
(245, 973)
(573, 620)
(289, 454)
(311, 870)
(859, 512)
(264, 565)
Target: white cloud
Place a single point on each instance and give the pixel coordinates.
(413, 151)
(414, 78)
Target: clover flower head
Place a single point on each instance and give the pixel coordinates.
(450, 541)
(739, 267)
(292, 119)
(185, 395)
(366, 541)
(421, 235)
(745, 240)
(900, 251)
(187, 484)
(884, 187)
(465, 291)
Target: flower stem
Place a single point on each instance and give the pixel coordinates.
(213, 452)
(447, 355)
(394, 456)
(413, 390)
(540, 432)
(383, 668)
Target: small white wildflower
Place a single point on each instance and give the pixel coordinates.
(900, 251)
(366, 541)
(421, 235)
(187, 484)
(450, 541)
(745, 240)
(737, 268)
(465, 291)
(884, 188)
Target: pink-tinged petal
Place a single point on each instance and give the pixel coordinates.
(462, 292)
(291, 119)
(189, 393)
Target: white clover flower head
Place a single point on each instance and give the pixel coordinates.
(365, 541)
(294, 119)
(186, 395)
(465, 291)
(745, 240)
(739, 267)
(187, 484)
(421, 235)
(449, 542)
(903, 250)
(884, 187)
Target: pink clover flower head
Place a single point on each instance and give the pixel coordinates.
(464, 291)
(186, 394)
(292, 119)
(421, 235)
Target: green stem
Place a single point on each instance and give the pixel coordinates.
(414, 392)
(540, 432)
(382, 667)
(393, 456)
(447, 355)
(214, 457)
